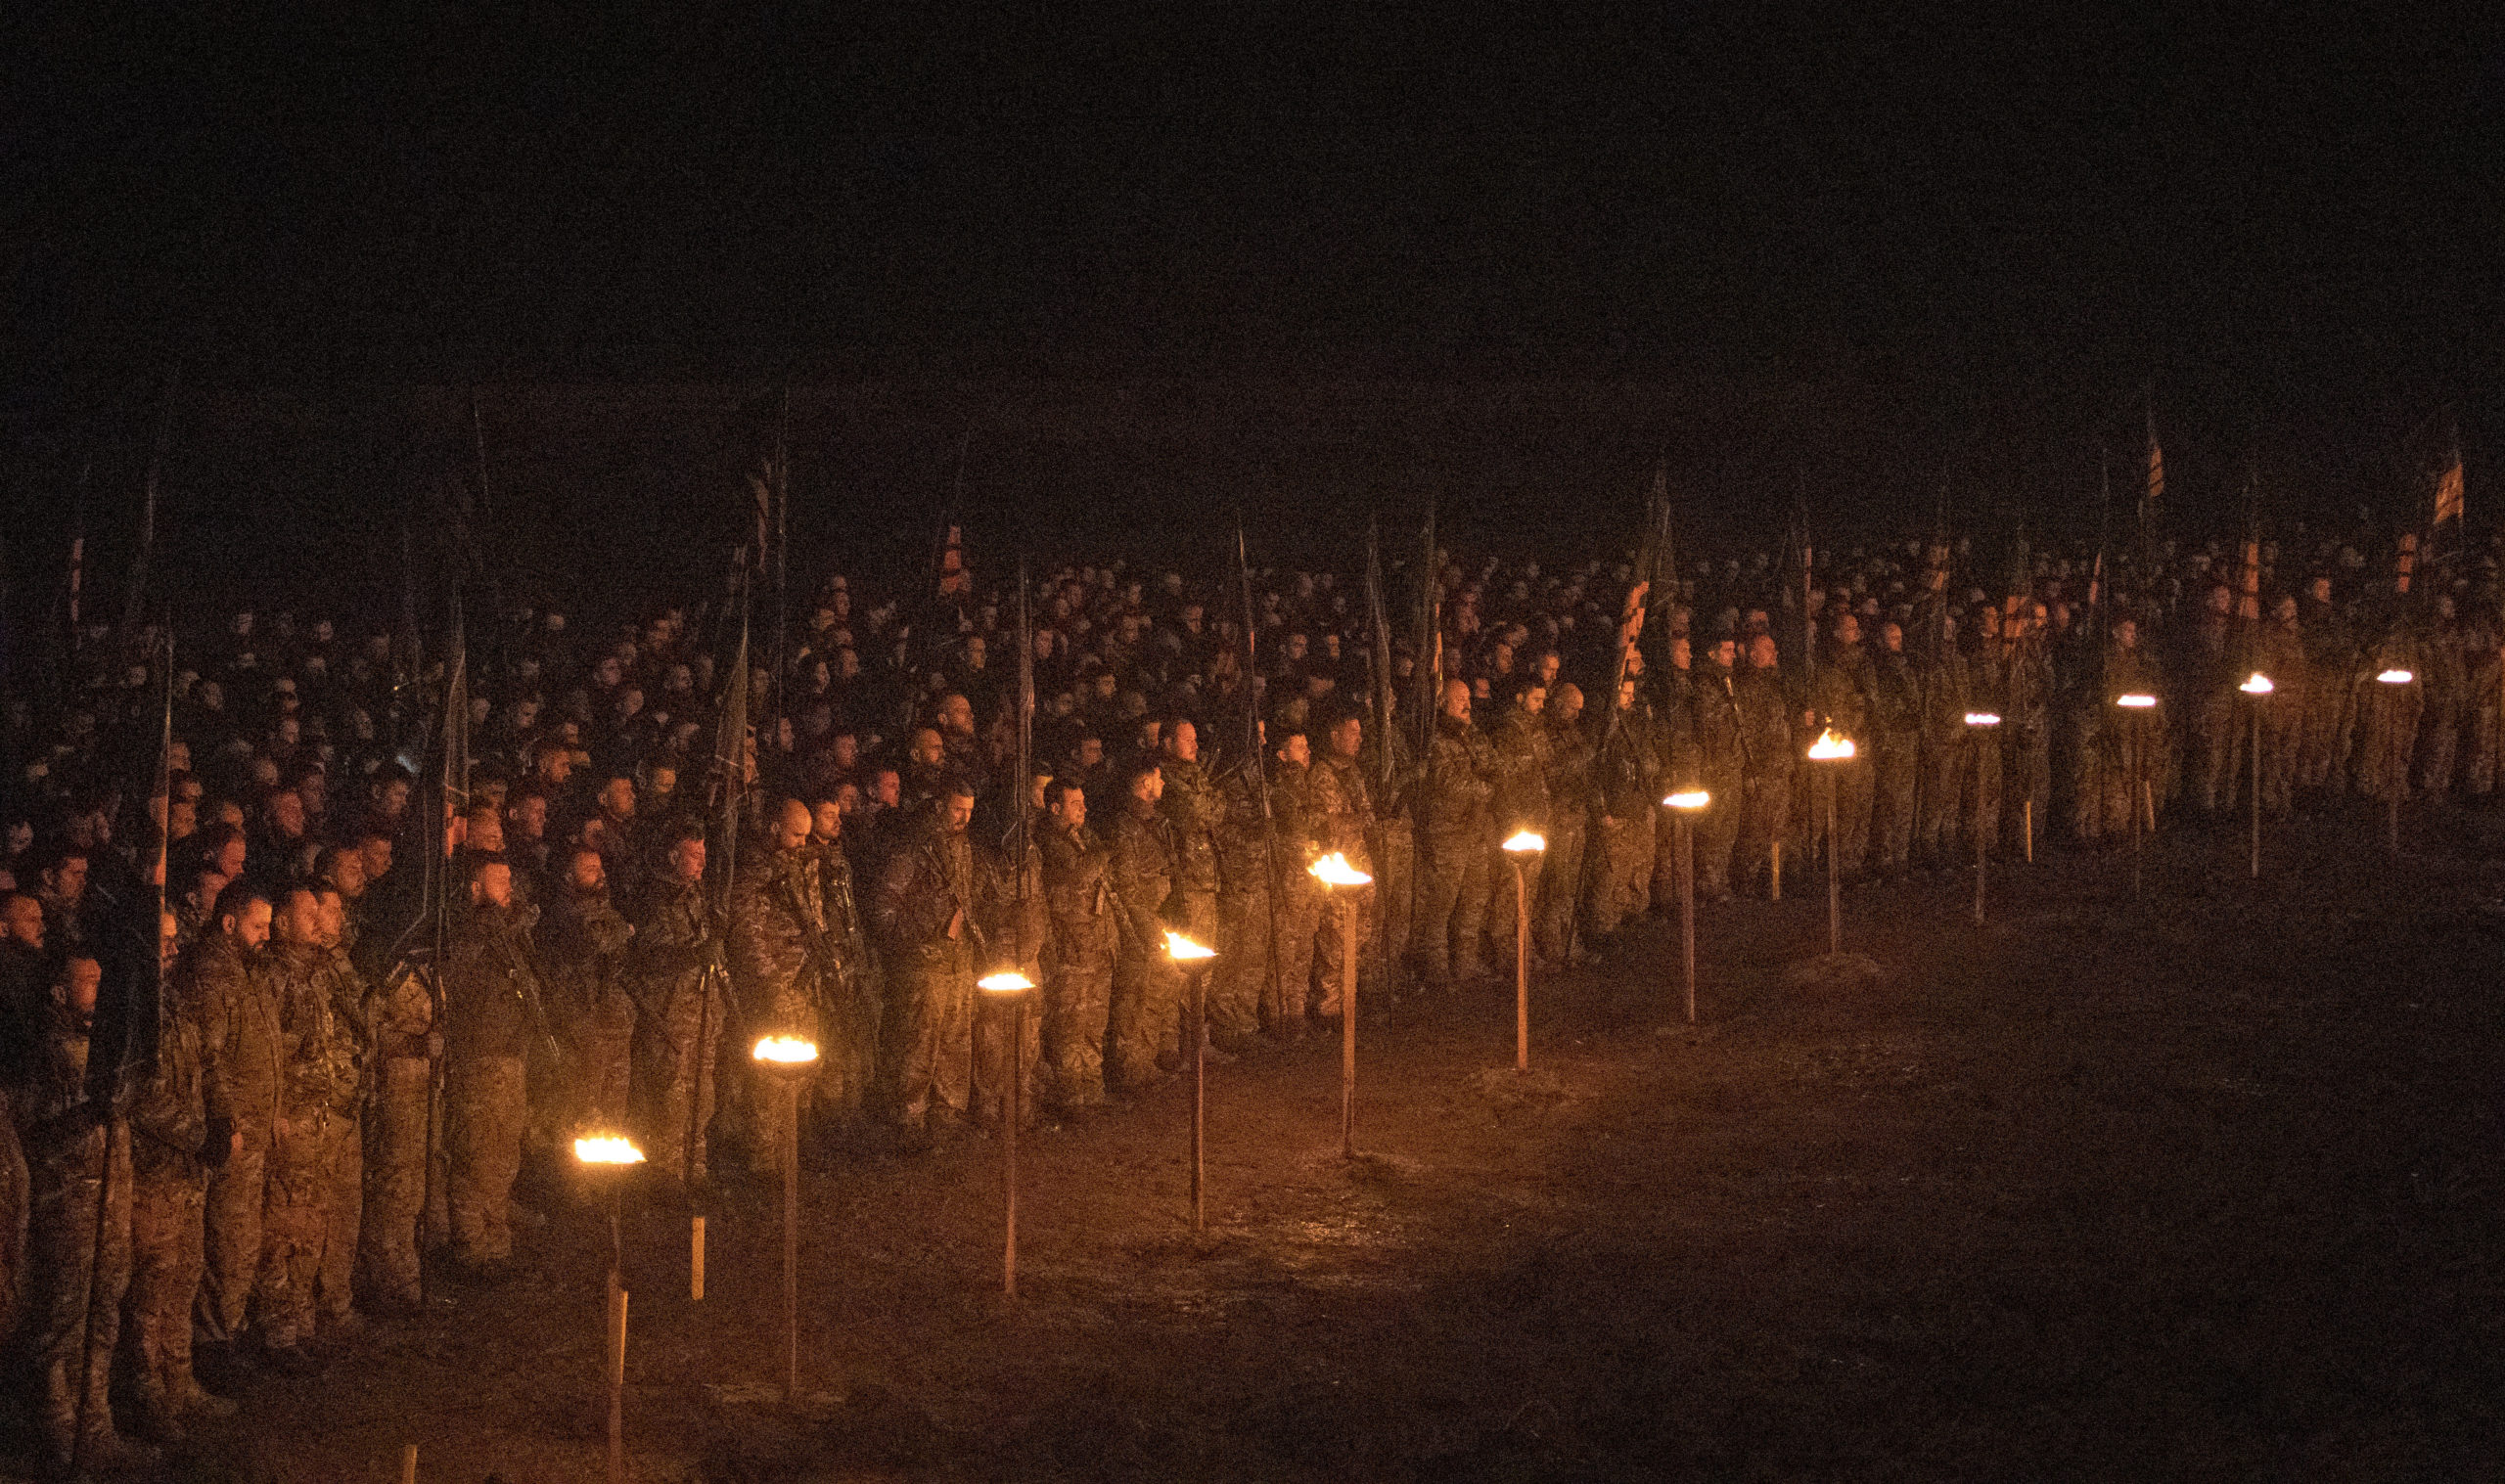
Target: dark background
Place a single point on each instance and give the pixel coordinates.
(1149, 269)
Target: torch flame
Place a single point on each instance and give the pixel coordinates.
(2259, 684)
(1982, 719)
(1831, 747)
(790, 1050)
(2137, 701)
(1008, 982)
(607, 1148)
(1689, 798)
(2396, 677)
(1183, 950)
(1525, 841)
(1334, 869)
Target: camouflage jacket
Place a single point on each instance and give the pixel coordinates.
(1191, 807)
(1459, 781)
(927, 884)
(1520, 747)
(1344, 805)
(781, 957)
(1142, 874)
(240, 1034)
(583, 945)
(320, 1055)
(170, 1118)
(676, 943)
(1084, 925)
(491, 995)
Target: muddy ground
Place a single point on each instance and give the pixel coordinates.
(2202, 1187)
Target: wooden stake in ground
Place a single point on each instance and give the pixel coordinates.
(1007, 991)
(2137, 704)
(1191, 959)
(2256, 687)
(1776, 882)
(1834, 750)
(2395, 776)
(790, 1061)
(617, 1386)
(696, 1259)
(604, 1161)
(1339, 877)
(1683, 807)
(1520, 846)
(409, 1464)
(1980, 725)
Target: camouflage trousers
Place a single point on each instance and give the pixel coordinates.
(395, 1180)
(994, 1023)
(677, 1054)
(2329, 714)
(603, 1077)
(2440, 735)
(1854, 792)
(1452, 910)
(1717, 832)
(1765, 820)
(168, 1208)
(1331, 946)
(2026, 773)
(486, 1102)
(335, 1291)
(1395, 852)
(295, 1223)
(1145, 1016)
(1298, 907)
(1077, 996)
(1623, 877)
(1893, 774)
(75, 1290)
(237, 1193)
(1561, 875)
(1242, 966)
(931, 1033)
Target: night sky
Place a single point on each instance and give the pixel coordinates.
(1867, 249)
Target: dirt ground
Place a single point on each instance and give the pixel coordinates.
(2204, 1186)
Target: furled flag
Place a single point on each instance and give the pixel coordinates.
(2448, 491)
(2157, 470)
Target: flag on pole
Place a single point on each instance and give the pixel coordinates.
(2448, 491)
(2157, 471)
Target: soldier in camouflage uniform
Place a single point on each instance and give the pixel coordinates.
(351, 1017)
(1519, 748)
(1343, 820)
(1017, 922)
(2277, 652)
(1768, 755)
(1943, 687)
(925, 911)
(1298, 900)
(319, 1077)
(1842, 697)
(494, 1014)
(583, 947)
(400, 1010)
(1570, 800)
(2332, 664)
(241, 1043)
(1079, 956)
(1244, 909)
(848, 1053)
(676, 970)
(1146, 990)
(170, 1159)
(781, 960)
(1627, 775)
(75, 1157)
(1895, 739)
(1189, 804)
(1393, 846)
(1713, 714)
(2027, 729)
(1455, 843)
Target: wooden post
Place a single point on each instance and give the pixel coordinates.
(791, 1243)
(1199, 1033)
(696, 1259)
(1348, 1030)
(1009, 1144)
(1776, 894)
(2257, 787)
(617, 1386)
(2026, 816)
(1686, 833)
(409, 1464)
(1522, 969)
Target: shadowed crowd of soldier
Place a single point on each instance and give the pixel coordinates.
(346, 1082)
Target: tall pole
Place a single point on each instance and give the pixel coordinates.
(1009, 1144)
(2256, 703)
(2139, 749)
(1835, 873)
(1686, 841)
(1980, 869)
(791, 1090)
(1199, 1091)
(1522, 969)
(1349, 1029)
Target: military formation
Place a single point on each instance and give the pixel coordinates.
(390, 998)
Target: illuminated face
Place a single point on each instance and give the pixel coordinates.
(826, 820)
(1456, 701)
(956, 812)
(334, 924)
(584, 871)
(25, 921)
(687, 860)
(253, 928)
(80, 979)
(792, 825)
(494, 884)
(1071, 808)
(928, 749)
(617, 796)
(1297, 750)
(1347, 736)
(1183, 744)
(377, 850)
(299, 922)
